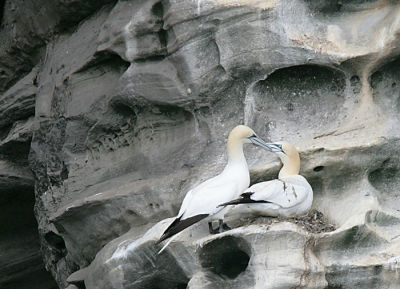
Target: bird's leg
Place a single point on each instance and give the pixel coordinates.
(220, 225)
(226, 227)
(210, 228)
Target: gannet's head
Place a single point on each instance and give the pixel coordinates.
(288, 155)
(244, 134)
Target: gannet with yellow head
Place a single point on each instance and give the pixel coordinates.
(202, 201)
(289, 195)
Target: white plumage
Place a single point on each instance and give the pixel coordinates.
(202, 201)
(289, 195)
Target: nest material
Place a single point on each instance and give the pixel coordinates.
(314, 221)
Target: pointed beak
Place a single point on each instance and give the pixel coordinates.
(273, 147)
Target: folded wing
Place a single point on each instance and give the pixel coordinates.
(285, 193)
(200, 203)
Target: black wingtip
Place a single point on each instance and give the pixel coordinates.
(163, 237)
(234, 202)
(166, 235)
(179, 225)
(245, 199)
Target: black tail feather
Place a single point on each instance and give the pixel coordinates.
(245, 199)
(179, 225)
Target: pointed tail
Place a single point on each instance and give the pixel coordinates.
(179, 225)
(245, 198)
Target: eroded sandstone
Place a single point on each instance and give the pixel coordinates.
(123, 106)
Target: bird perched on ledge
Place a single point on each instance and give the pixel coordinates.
(289, 195)
(202, 201)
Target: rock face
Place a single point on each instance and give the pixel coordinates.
(120, 107)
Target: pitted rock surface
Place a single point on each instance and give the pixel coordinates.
(110, 111)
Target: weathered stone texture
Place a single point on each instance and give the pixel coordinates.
(110, 111)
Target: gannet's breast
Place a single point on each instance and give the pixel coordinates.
(203, 201)
(205, 198)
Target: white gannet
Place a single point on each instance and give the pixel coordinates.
(202, 201)
(289, 195)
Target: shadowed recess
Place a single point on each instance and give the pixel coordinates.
(107, 59)
(56, 242)
(226, 257)
(333, 7)
(158, 12)
(358, 238)
(21, 264)
(350, 277)
(2, 3)
(318, 168)
(308, 96)
(386, 179)
(385, 83)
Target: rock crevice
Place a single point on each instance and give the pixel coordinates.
(110, 111)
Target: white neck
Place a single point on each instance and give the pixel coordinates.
(235, 155)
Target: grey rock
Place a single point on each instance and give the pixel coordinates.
(279, 255)
(77, 276)
(14, 148)
(27, 26)
(74, 54)
(14, 176)
(123, 106)
(19, 101)
(117, 209)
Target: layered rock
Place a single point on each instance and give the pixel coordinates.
(281, 255)
(125, 105)
(21, 262)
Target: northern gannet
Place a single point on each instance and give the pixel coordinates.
(289, 195)
(202, 201)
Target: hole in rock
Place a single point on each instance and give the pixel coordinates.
(385, 91)
(355, 84)
(158, 10)
(106, 61)
(21, 261)
(306, 98)
(163, 36)
(386, 180)
(2, 4)
(324, 7)
(226, 257)
(318, 168)
(340, 6)
(123, 109)
(55, 241)
(173, 112)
